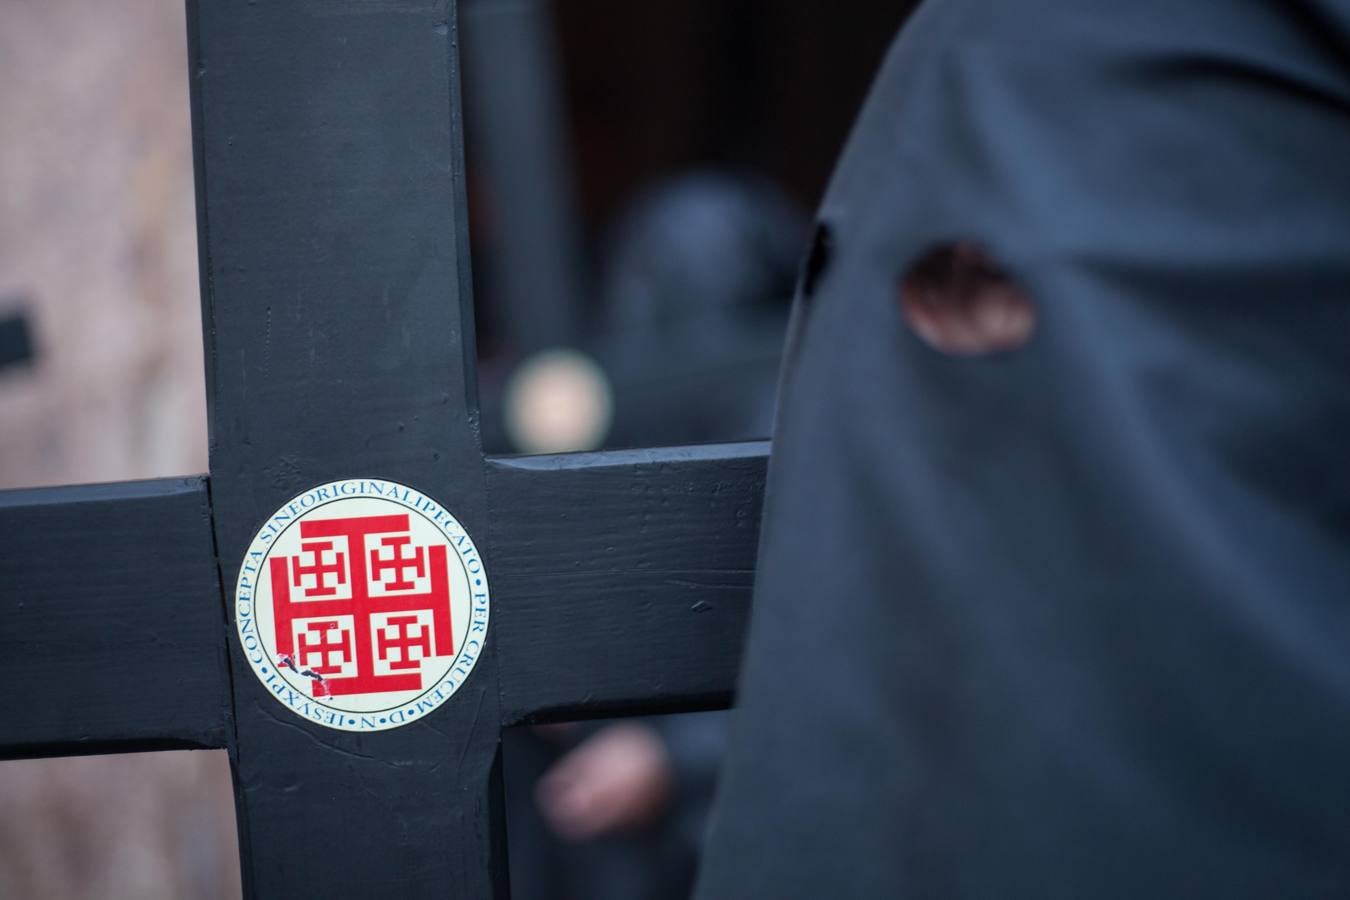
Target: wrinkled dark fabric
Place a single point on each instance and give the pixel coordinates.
(1074, 620)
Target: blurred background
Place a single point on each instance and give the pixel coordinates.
(641, 177)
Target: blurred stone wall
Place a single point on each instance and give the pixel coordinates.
(98, 247)
(98, 239)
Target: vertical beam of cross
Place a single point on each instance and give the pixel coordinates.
(339, 344)
(520, 136)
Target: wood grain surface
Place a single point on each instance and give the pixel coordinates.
(339, 344)
(113, 637)
(628, 576)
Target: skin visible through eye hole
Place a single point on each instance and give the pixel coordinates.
(958, 300)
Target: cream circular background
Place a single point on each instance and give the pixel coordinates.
(362, 603)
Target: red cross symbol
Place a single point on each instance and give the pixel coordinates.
(337, 568)
(403, 642)
(360, 533)
(323, 648)
(400, 562)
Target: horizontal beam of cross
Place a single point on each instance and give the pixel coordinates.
(625, 578)
(112, 635)
(623, 584)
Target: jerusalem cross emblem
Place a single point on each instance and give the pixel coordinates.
(362, 605)
(369, 606)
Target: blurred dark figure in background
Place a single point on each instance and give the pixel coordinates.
(696, 282)
(574, 111)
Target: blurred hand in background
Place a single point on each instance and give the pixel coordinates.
(618, 779)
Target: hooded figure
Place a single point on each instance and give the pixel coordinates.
(1068, 614)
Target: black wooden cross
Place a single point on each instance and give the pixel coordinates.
(339, 343)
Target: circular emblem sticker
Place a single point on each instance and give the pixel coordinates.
(362, 604)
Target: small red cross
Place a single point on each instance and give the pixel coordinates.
(323, 647)
(403, 642)
(400, 562)
(337, 568)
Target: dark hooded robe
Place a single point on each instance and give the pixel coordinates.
(1071, 620)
